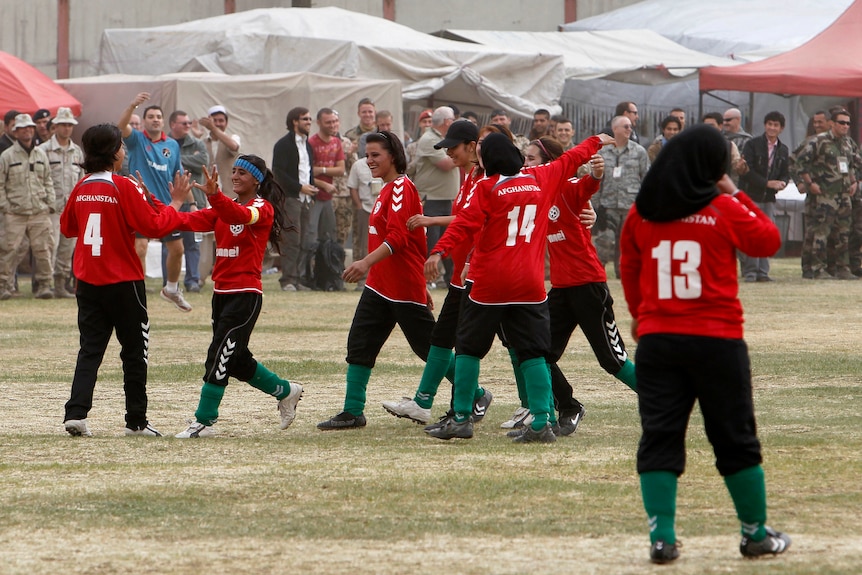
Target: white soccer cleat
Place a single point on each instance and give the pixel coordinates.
(409, 409)
(195, 430)
(287, 405)
(77, 428)
(520, 418)
(148, 431)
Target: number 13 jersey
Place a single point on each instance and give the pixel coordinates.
(680, 276)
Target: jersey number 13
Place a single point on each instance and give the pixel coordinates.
(687, 283)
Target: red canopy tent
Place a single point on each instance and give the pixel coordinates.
(26, 89)
(827, 65)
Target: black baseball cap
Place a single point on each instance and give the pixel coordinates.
(459, 131)
(41, 113)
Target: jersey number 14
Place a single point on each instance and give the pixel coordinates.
(523, 227)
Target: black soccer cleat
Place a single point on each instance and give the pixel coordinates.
(773, 544)
(662, 552)
(343, 420)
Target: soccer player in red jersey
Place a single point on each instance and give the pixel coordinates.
(460, 144)
(242, 229)
(579, 293)
(508, 213)
(104, 211)
(395, 291)
(678, 270)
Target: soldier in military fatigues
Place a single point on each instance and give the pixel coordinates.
(626, 164)
(818, 124)
(830, 167)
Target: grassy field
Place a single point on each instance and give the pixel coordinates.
(388, 499)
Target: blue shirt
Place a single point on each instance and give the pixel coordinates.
(157, 161)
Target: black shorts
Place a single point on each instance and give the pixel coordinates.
(673, 371)
(589, 306)
(526, 328)
(374, 320)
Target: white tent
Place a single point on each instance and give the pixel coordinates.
(340, 43)
(741, 29)
(257, 104)
(634, 56)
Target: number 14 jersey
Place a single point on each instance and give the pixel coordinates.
(509, 215)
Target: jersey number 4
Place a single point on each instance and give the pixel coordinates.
(93, 234)
(523, 227)
(686, 284)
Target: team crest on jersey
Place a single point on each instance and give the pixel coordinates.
(236, 229)
(377, 207)
(554, 213)
(166, 152)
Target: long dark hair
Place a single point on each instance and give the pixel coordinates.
(101, 144)
(392, 144)
(269, 190)
(549, 148)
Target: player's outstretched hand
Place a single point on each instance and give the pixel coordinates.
(143, 186)
(355, 271)
(180, 187)
(210, 185)
(418, 220)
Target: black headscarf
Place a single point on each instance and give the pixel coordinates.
(682, 180)
(500, 156)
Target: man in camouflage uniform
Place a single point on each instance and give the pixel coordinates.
(626, 164)
(67, 160)
(830, 167)
(819, 123)
(26, 202)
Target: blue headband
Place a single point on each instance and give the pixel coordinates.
(250, 168)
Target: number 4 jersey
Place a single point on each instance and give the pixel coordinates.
(680, 276)
(104, 211)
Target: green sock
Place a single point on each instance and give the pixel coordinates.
(658, 489)
(466, 382)
(627, 375)
(357, 381)
(207, 412)
(519, 379)
(269, 383)
(538, 385)
(436, 367)
(748, 491)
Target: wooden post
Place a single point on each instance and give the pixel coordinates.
(229, 6)
(389, 9)
(570, 10)
(62, 39)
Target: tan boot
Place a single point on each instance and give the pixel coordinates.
(45, 292)
(60, 291)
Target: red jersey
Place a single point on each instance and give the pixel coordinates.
(401, 276)
(574, 261)
(509, 214)
(326, 154)
(460, 252)
(680, 276)
(104, 211)
(241, 235)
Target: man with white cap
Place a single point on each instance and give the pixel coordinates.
(66, 160)
(223, 149)
(26, 201)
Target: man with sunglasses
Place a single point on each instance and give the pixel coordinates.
(830, 166)
(731, 128)
(194, 156)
